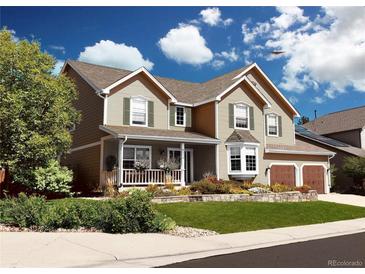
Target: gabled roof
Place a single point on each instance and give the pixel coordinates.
(102, 77)
(348, 119)
(310, 135)
(239, 136)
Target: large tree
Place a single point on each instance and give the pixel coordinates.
(36, 110)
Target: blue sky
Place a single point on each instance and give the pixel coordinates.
(322, 66)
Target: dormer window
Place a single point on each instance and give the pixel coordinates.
(241, 116)
(272, 125)
(138, 111)
(180, 116)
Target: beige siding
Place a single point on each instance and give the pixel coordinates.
(91, 107)
(278, 107)
(137, 86)
(240, 94)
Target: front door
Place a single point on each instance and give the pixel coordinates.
(176, 153)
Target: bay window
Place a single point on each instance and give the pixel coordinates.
(272, 125)
(241, 116)
(243, 159)
(138, 111)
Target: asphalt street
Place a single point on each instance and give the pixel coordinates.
(341, 251)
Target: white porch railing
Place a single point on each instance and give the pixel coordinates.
(146, 177)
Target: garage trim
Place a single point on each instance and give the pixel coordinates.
(326, 186)
(297, 178)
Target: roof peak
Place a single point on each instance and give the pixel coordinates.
(186, 81)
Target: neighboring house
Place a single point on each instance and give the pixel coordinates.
(341, 132)
(347, 126)
(237, 126)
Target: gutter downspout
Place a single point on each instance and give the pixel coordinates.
(329, 173)
(121, 143)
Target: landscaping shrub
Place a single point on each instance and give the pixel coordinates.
(162, 223)
(23, 211)
(133, 213)
(281, 188)
(204, 186)
(183, 191)
(303, 189)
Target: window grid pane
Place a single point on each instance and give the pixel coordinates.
(179, 115)
(272, 124)
(235, 158)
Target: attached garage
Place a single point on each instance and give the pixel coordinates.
(314, 176)
(283, 174)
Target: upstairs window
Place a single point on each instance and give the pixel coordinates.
(241, 116)
(180, 116)
(272, 125)
(139, 111)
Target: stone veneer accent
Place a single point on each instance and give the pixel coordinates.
(292, 196)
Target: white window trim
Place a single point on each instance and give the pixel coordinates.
(131, 111)
(184, 118)
(248, 116)
(243, 170)
(191, 159)
(277, 125)
(135, 155)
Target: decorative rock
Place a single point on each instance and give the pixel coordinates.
(190, 232)
(291, 196)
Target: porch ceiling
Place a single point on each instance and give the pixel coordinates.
(144, 133)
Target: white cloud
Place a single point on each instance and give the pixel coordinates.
(327, 52)
(247, 57)
(293, 100)
(231, 55)
(184, 44)
(289, 16)
(112, 54)
(212, 17)
(318, 100)
(58, 66)
(58, 48)
(217, 64)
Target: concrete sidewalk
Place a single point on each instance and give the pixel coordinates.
(348, 199)
(33, 249)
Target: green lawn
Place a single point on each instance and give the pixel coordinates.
(228, 217)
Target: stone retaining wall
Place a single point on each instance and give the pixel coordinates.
(292, 196)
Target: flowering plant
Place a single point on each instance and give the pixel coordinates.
(168, 164)
(141, 165)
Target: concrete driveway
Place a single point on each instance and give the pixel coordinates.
(348, 199)
(67, 249)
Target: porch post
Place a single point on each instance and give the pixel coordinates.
(182, 163)
(120, 163)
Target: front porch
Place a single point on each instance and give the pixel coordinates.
(136, 161)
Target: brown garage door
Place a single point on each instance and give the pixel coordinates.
(282, 174)
(313, 176)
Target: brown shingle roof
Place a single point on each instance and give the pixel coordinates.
(187, 92)
(349, 119)
(158, 134)
(241, 136)
(299, 147)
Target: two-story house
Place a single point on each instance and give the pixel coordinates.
(237, 126)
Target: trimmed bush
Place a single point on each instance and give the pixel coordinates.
(23, 211)
(130, 214)
(281, 188)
